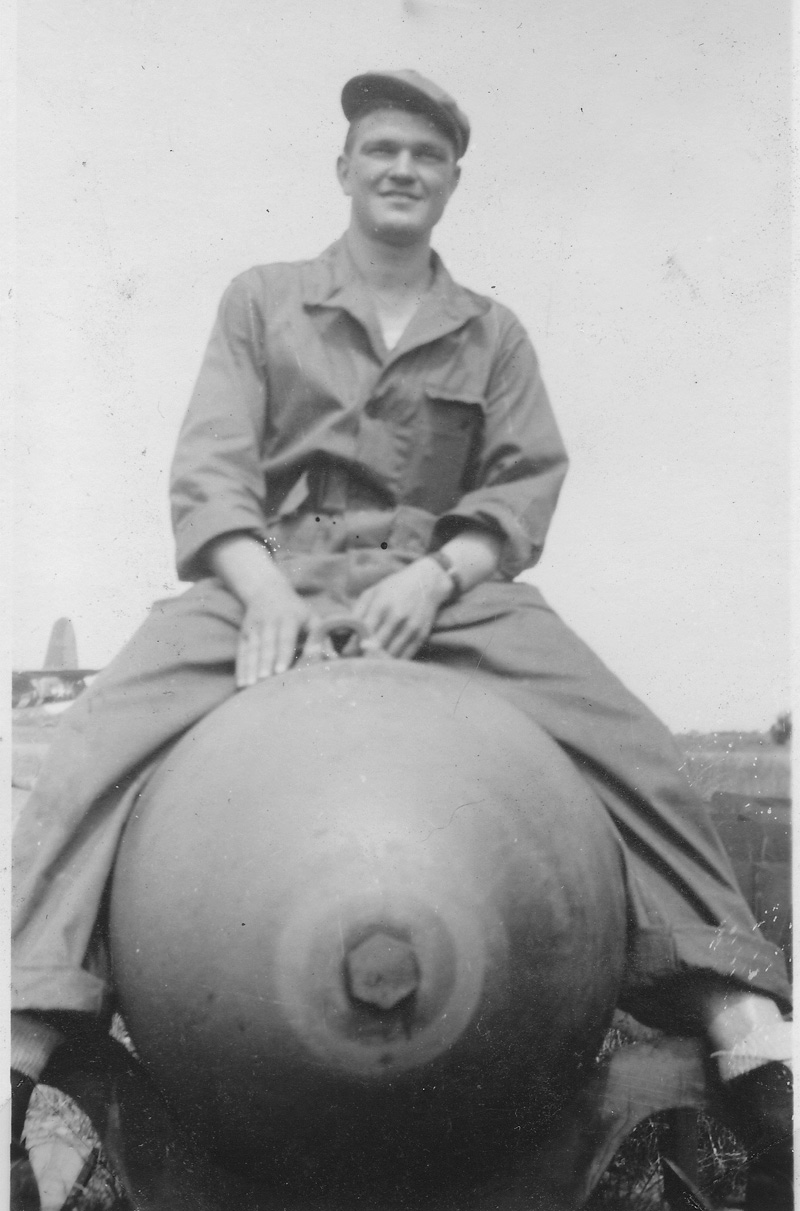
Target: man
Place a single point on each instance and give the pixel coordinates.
(365, 432)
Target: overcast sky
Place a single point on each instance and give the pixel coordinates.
(625, 192)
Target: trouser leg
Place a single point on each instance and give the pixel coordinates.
(689, 920)
(176, 669)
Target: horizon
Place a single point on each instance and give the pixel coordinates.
(53, 669)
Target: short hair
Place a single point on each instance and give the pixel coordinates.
(376, 103)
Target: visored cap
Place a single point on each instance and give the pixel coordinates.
(407, 89)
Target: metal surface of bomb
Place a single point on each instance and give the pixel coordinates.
(368, 929)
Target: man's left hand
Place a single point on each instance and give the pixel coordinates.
(401, 609)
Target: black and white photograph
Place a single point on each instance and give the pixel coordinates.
(401, 717)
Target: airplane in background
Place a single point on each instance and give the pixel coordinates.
(59, 680)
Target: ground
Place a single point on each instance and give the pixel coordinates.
(743, 763)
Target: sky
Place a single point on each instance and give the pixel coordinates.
(626, 193)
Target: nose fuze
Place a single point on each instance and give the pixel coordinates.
(382, 970)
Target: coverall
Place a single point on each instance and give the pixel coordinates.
(349, 461)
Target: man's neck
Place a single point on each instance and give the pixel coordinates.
(389, 270)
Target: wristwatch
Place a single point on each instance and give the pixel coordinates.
(446, 564)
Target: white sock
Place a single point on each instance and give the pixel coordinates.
(761, 1046)
(33, 1041)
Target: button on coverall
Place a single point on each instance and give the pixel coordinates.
(349, 461)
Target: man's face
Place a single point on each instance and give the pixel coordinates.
(399, 172)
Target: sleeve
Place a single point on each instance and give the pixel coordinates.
(522, 461)
(216, 483)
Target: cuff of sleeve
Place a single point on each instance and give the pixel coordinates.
(517, 552)
(202, 527)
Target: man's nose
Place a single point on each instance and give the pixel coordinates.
(403, 166)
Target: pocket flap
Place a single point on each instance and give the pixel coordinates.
(455, 397)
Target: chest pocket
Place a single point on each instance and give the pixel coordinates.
(443, 461)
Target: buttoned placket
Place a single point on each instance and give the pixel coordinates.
(445, 309)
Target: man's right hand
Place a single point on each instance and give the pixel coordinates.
(274, 622)
(275, 618)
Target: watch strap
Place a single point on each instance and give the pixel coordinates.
(446, 564)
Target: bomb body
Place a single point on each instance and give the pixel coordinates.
(368, 928)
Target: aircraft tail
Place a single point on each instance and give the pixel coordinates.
(62, 650)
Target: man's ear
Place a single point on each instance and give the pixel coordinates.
(456, 178)
(343, 172)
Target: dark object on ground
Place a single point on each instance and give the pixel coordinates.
(781, 730)
(24, 1192)
(760, 1107)
(163, 1169)
(681, 1192)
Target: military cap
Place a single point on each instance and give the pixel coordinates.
(407, 89)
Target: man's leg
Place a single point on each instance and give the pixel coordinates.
(689, 912)
(176, 669)
(698, 960)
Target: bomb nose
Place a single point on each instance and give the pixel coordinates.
(384, 980)
(381, 970)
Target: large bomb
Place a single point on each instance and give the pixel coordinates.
(368, 930)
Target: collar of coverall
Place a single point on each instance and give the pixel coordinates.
(332, 280)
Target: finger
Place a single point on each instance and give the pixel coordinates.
(246, 659)
(375, 612)
(240, 672)
(285, 646)
(416, 631)
(391, 633)
(406, 646)
(269, 640)
(401, 642)
(364, 604)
